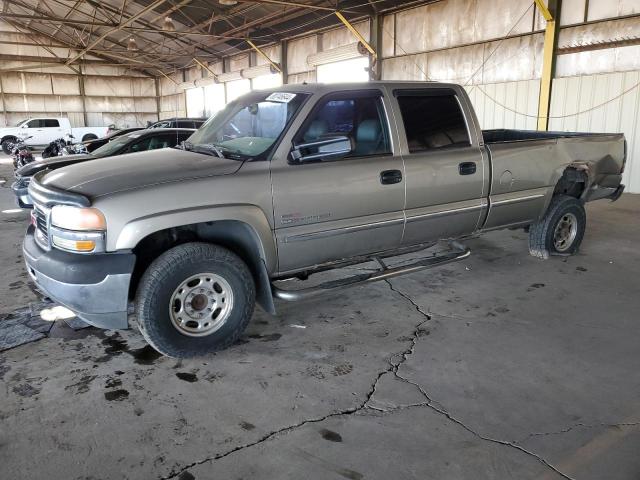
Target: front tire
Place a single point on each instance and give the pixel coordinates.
(194, 299)
(561, 230)
(7, 145)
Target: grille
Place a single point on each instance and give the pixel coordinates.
(41, 225)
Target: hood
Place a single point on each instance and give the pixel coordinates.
(51, 163)
(107, 175)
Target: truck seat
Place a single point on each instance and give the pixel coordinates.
(316, 130)
(368, 137)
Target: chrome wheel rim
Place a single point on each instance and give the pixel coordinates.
(565, 232)
(201, 304)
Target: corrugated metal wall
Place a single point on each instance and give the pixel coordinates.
(606, 109)
(113, 95)
(496, 104)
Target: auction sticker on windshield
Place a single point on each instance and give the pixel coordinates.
(281, 97)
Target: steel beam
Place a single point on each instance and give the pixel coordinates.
(375, 29)
(129, 21)
(206, 67)
(356, 33)
(548, 60)
(264, 55)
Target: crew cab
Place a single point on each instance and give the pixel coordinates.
(43, 130)
(289, 182)
(135, 141)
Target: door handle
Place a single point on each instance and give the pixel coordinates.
(467, 168)
(389, 177)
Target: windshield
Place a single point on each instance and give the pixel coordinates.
(115, 145)
(248, 127)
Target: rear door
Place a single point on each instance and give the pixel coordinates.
(52, 129)
(340, 208)
(446, 173)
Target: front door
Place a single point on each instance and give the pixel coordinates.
(340, 208)
(447, 175)
(43, 131)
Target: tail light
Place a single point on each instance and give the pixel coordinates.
(624, 157)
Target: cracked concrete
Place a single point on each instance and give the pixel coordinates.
(503, 366)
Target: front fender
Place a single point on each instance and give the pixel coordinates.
(137, 229)
(4, 134)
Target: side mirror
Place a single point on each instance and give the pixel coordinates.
(24, 125)
(319, 150)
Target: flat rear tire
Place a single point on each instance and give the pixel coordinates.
(561, 229)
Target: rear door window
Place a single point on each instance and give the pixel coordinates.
(51, 123)
(432, 120)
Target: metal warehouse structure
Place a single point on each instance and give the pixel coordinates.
(562, 65)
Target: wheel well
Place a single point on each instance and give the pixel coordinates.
(572, 183)
(234, 235)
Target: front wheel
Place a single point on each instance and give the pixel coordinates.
(561, 230)
(8, 145)
(194, 299)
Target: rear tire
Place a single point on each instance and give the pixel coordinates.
(194, 299)
(561, 230)
(89, 136)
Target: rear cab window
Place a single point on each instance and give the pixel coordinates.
(433, 119)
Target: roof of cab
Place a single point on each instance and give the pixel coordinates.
(323, 88)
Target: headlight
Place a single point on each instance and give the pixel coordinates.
(78, 229)
(75, 218)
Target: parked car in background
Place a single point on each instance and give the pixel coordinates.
(137, 141)
(43, 131)
(92, 145)
(179, 123)
(289, 182)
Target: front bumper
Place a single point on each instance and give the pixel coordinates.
(94, 287)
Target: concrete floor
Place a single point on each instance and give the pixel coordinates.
(502, 366)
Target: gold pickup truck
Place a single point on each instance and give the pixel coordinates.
(288, 182)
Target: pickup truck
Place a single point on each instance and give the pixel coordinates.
(297, 180)
(45, 130)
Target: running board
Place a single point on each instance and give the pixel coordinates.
(457, 252)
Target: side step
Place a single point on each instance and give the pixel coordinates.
(457, 252)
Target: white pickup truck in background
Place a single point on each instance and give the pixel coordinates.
(45, 130)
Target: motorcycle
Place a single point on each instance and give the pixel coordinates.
(58, 147)
(74, 149)
(21, 153)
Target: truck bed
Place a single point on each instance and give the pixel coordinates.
(527, 165)
(503, 135)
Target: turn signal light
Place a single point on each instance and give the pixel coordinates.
(75, 245)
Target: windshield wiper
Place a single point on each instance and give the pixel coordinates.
(206, 148)
(217, 149)
(184, 145)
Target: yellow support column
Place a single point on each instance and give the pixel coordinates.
(548, 60)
